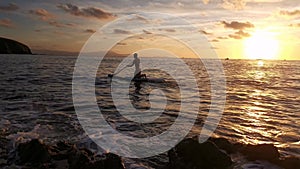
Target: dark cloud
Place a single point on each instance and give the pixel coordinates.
(222, 37)
(6, 23)
(49, 18)
(71, 24)
(89, 31)
(139, 18)
(90, 12)
(147, 32)
(57, 24)
(234, 36)
(205, 32)
(121, 31)
(242, 33)
(61, 25)
(239, 35)
(295, 25)
(122, 43)
(167, 30)
(215, 40)
(290, 13)
(237, 25)
(9, 7)
(42, 13)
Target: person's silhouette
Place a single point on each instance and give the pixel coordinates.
(138, 71)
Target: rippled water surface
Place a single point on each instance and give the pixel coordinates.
(262, 100)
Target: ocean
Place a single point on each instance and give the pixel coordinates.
(262, 102)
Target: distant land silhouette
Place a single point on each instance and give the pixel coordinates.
(69, 53)
(9, 46)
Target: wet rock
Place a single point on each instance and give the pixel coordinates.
(191, 154)
(3, 152)
(289, 163)
(32, 152)
(238, 146)
(61, 164)
(261, 152)
(85, 159)
(3, 162)
(78, 159)
(224, 144)
(109, 161)
(60, 151)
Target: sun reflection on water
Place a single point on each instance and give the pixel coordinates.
(261, 109)
(260, 63)
(258, 71)
(257, 126)
(259, 75)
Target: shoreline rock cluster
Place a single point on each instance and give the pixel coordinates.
(189, 153)
(215, 154)
(35, 154)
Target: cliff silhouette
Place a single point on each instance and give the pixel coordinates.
(9, 46)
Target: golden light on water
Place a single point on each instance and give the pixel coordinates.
(261, 45)
(260, 63)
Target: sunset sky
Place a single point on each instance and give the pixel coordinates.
(239, 29)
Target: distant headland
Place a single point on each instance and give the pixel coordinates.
(9, 46)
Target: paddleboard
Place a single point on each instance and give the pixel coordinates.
(149, 79)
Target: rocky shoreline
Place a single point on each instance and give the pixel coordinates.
(216, 153)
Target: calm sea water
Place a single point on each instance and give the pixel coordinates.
(262, 101)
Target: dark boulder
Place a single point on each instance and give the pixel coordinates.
(8, 46)
(191, 154)
(32, 152)
(78, 159)
(60, 151)
(224, 144)
(261, 152)
(85, 159)
(108, 161)
(3, 152)
(289, 163)
(35, 154)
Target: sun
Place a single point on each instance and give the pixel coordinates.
(261, 45)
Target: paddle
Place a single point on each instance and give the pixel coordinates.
(111, 75)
